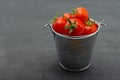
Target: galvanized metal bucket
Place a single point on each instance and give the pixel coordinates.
(75, 51)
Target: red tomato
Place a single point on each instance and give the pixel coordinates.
(68, 15)
(75, 27)
(81, 13)
(59, 25)
(90, 28)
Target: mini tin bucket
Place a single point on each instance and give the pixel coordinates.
(75, 52)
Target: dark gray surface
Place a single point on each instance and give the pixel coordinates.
(27, 50)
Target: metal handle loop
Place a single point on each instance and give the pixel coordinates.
(47, 25)
(101, 22)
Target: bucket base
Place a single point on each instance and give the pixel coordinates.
(77, 70)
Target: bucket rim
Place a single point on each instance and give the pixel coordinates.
(78, 37)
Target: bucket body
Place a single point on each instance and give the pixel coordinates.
(75, 52)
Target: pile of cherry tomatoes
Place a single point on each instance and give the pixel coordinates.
(76, 23)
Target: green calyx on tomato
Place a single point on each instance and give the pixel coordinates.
(90, 27)
(71, 26)
(73, 10)
(89, 22)
(54, 19)
(74, 27)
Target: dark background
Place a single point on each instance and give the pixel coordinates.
(27, 50)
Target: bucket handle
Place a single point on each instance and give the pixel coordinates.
(47, 25)
(101, 22)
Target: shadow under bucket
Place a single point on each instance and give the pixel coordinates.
(74, 52)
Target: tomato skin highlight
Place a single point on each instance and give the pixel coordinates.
(59, 25)
(68, 15)
(82, 14)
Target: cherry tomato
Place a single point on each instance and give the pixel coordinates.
(89, 29)
(75, 27)
(68, 15)
(81, 13)
(59, 25)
